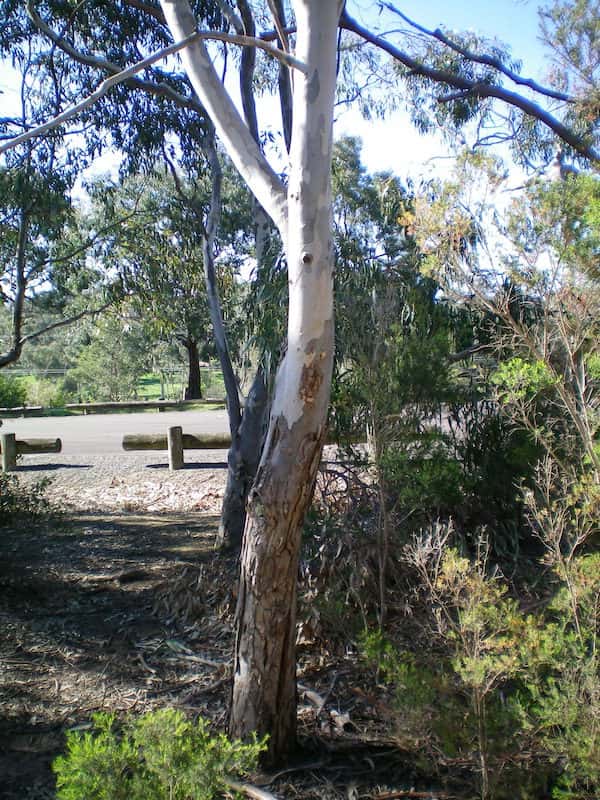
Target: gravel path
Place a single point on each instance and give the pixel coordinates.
(129, 481)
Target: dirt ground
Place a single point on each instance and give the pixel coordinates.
(125, 611)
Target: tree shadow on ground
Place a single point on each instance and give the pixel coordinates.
(84, 614)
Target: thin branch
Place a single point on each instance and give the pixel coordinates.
(84, 245)
(89, 312)
(232, 38)
(467, 352)
(475, 88)
(250, 791)
(279, 26)
(484, 58)
(147, 9)
(130, 72)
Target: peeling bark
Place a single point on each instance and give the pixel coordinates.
(264, 688)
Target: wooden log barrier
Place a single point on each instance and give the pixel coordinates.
(159, 441)
(11, 447)
(188, 441)
(176, 442)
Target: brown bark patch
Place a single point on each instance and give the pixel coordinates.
(310, 383)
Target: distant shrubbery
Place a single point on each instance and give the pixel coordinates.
(12, 392)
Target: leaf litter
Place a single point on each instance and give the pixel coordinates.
(127, 607)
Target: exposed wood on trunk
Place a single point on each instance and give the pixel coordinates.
(264, 691)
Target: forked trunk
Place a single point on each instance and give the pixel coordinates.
(264, 689)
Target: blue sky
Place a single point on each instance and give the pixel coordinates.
(514, 22)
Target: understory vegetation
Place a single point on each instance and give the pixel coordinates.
(465, 535)
(22, 504)
(157, 756)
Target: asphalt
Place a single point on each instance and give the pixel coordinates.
(102, 434)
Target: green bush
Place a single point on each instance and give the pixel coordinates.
(516, 695)
(48, 393)
(12, 392)
(158, 756)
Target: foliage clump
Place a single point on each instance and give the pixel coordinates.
(512, 693)
(12, 392)
(158, 756)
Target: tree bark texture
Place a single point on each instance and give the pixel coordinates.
(194, 384)
(264, 689)
(242, 461)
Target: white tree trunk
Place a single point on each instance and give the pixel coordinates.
(264, 690)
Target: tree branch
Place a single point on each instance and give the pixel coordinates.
(88, 312)
(251, 163)
(483, 58)
(476, 88)
(84, 245)
(220, 36)
(128, 74)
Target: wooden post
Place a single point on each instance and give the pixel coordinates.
(175, 446)
(8, 443)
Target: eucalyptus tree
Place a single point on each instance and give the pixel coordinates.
(264, 687)
(43, 243)
(158, 254)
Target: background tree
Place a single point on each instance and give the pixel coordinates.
(158, 255)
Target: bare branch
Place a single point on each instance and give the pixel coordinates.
(250, 791)
(88, 312)
(233, 38)
(475, 88)
(279, 26)
(482, 58)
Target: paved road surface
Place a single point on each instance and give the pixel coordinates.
(99, 434)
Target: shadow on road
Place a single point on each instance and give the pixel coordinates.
(193, 465)
(50, 467)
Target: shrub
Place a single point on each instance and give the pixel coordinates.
(12, 392)
(516, 695)
(47, 393)
(158, 756)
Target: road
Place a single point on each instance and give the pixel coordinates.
(102, 434)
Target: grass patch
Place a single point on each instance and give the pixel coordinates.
(172, 388)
